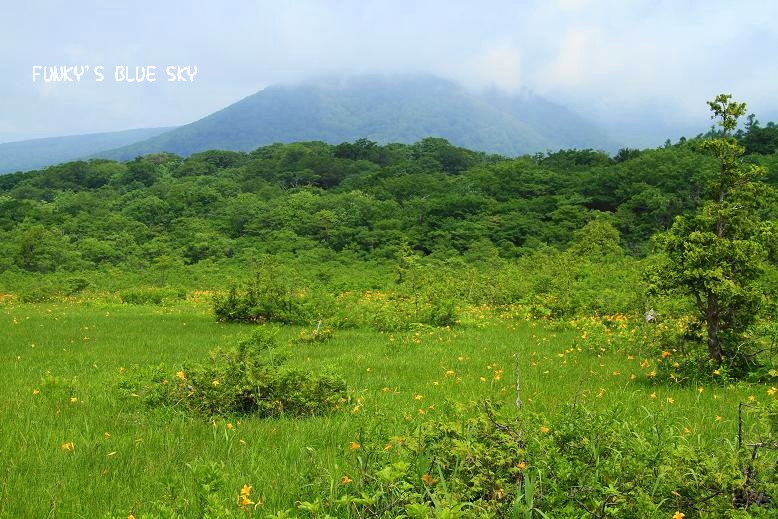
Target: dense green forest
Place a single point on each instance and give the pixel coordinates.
(352, 202)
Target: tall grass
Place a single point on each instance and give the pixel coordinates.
(72, 447)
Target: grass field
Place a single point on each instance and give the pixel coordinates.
(71, 446)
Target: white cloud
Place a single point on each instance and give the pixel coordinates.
(607, 58)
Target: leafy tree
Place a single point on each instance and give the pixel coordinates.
(40, 249)
(758, 139)
(361, 149)
(598, 239)
(98, 251)
(626, 154)
(149, 209)
(718, 254)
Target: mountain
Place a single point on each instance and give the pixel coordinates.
(38, 153)
(383, 109)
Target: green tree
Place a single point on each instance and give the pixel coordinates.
(717, 255)
(596, 240)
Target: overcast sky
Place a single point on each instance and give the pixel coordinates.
(625, 63)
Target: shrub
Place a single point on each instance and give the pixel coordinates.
(76, 285)
(151, 296)
(317, 335)
(675, 345)
(250, 378)
(269, 297)
(577, 464)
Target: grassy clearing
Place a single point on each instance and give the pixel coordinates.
(71, 447)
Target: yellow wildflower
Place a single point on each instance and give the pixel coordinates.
(429, 480)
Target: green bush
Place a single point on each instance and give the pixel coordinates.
(151, 296)
(39, 291)
(273, 295)
(250, 378)
(76, 285)
(318, 335)
(677, 346)
(577, 464)
(256, 304)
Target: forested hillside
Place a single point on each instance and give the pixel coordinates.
(360, 200)
(385, 109)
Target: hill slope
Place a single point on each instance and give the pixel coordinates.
(38, 153)
(384, 109)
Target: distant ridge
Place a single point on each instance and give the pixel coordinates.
(384, 109)
(39, 153)
(380, 108)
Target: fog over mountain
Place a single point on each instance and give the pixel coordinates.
(642, 70)
(384, 109)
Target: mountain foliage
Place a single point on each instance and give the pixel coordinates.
(358, 198)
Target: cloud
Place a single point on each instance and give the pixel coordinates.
(576, 59)
(496, 65)
(612, 60)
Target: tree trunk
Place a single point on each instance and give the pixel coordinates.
(713, 325)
